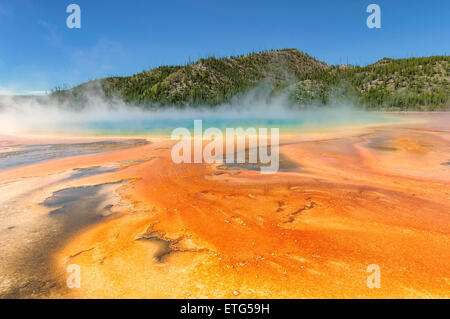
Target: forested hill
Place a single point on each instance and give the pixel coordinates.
(401, 84)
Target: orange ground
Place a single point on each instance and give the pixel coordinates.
(191, 231)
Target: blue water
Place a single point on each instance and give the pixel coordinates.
(166, 126)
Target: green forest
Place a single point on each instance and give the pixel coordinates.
(389, 84)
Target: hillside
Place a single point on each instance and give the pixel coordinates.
(403, 84)
(414, 84)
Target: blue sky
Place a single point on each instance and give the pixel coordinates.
(39, 52)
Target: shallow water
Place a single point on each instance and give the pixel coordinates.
(165, 126)
(40, 153)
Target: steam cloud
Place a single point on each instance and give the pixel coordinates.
(45, 114)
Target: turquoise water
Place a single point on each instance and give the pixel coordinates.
(165, 126)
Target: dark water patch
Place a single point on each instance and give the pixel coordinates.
(381, 143)
(77, 207)
(41, 153)
(30, 273)
(237, 166)
(132, 162)
(91, 171)
(291, 217)
(166, 246)
(383, 148)
(285, 165)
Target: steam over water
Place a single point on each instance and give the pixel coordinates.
(100, 117)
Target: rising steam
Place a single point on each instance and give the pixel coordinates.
(45, 114)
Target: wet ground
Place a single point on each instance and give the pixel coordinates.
(30, 237)
(26, 155)
(140, 226)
